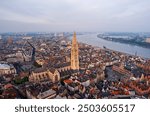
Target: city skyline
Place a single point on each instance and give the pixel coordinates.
(67, 15)
(49, 66)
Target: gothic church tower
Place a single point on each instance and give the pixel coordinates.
(74, 54)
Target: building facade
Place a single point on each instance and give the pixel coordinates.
(6, 69)
(44, 75)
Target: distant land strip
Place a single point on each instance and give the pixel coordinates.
(121, 40)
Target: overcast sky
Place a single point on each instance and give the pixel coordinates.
(75, 15)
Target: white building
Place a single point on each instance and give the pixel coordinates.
(47, 94)
(27, 38)
(7, 69)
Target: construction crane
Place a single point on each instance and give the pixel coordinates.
(23, 55)
(33, 51)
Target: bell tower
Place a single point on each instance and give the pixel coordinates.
(74, 53)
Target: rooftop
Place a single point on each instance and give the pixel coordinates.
(4, 67)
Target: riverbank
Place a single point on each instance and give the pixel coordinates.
(92, 39)
(126, 41)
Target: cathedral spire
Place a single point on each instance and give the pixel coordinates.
(74, 37)
(74, 53)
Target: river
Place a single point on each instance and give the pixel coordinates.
(93, 40)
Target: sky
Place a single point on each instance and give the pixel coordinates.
(74, 15)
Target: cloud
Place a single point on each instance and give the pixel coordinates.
(83, 15)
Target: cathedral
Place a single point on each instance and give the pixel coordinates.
(62, 71)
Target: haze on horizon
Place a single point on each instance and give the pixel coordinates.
(78, 15)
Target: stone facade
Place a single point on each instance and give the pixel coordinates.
(6, 69)
(45, 75)
(74, 54)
